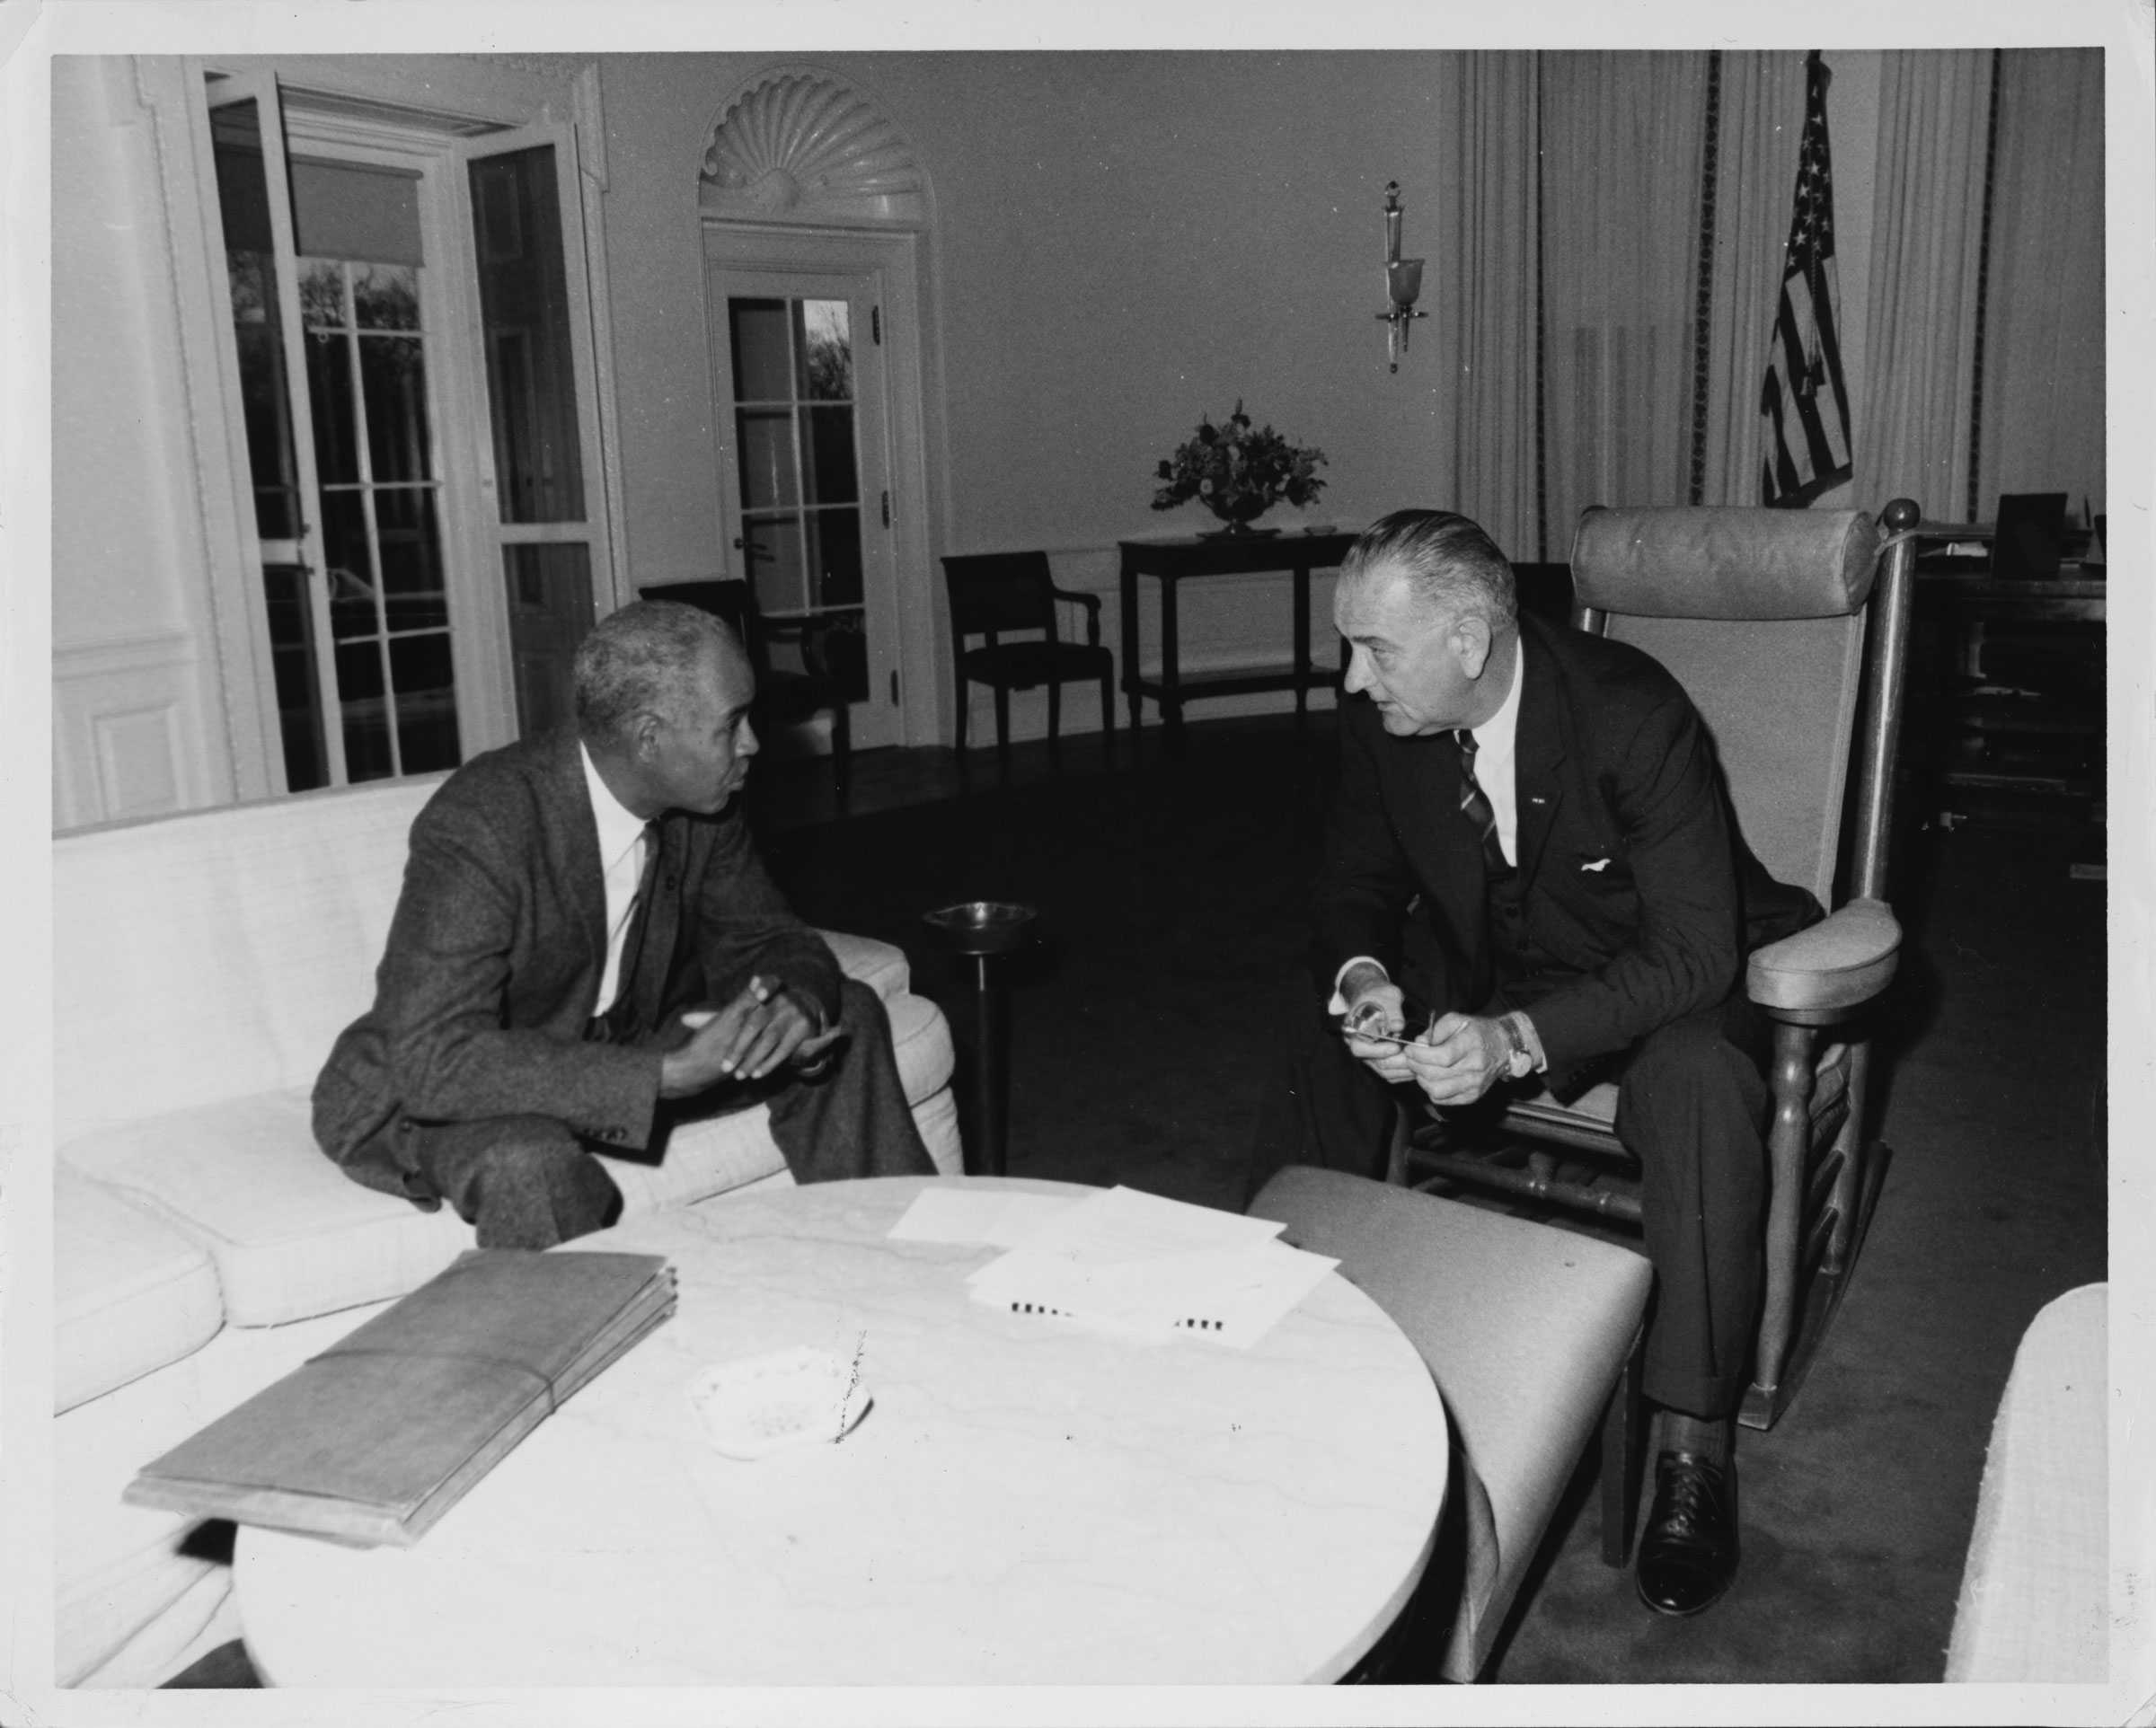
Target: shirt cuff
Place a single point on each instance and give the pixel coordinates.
(1337, 1003)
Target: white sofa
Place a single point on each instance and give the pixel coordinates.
(202, 965)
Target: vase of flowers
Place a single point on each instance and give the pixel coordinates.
(1238, 473)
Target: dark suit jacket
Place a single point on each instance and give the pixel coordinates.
(1613, 762)
(492, 969)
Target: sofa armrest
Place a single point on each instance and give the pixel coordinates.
(1839, 963)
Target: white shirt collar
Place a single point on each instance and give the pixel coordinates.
(620, 828)
(1498, 730)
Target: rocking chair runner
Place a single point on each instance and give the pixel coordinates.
(1762, 616)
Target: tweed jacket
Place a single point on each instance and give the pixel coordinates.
(492, 969)
(1639, 898)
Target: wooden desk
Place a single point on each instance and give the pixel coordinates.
(1024, 1503)
(1171, 561)
(1994, 749)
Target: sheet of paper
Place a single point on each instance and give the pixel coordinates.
(1140, 1267)
(998, 1219)
(1119, 1225)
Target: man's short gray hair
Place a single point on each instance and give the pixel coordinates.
(1451, 565)
(643, 656)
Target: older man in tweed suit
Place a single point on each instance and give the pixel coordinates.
(587, 949)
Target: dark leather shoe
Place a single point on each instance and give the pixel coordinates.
(1688, 1554)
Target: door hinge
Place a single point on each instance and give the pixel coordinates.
(894, 689)
(886, 509)
(876, 325)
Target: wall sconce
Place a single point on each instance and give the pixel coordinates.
(1403, 282)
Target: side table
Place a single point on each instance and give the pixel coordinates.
(987, 932)
(1171, 561)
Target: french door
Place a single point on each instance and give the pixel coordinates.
(805, 474)
(412, 365)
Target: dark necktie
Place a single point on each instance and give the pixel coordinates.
(1475, 805)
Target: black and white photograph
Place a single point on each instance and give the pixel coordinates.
(956, 866)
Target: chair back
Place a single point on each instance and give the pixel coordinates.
(733, 603)
(1762, 615)
(992, 592)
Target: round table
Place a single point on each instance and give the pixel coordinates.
(1024, 1502)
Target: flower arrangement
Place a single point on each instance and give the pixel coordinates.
(1238, 473)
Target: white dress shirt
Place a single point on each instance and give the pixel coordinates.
(622, 848)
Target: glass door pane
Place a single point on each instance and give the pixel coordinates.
(797, 445)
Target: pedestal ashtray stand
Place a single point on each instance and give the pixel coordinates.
(987, 932)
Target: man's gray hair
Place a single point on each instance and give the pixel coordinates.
(643, 656)
(1451, 567)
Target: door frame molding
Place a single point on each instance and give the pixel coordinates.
(893, 257)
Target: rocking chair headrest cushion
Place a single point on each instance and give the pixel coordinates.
(1724, 563)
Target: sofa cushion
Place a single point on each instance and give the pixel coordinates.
(131, 1293)
(120, 1568)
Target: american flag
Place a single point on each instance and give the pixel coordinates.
(1804, 404)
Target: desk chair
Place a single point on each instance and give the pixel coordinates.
(1532, 1335)
(1763, 615)
(784, 697)
(992, 593)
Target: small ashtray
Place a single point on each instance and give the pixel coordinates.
(982, 926)
(765, 1404)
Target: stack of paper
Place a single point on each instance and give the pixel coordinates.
(1140, 1267)
(374, 1439)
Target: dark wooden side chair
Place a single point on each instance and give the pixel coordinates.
(1765, 617)
(992, 593)
(784, 697)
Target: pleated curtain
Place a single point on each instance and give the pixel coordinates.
(2040, 415)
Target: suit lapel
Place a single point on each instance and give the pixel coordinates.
(583, 881)
(1539, 749)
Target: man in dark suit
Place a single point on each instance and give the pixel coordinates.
(1531, 830)
(588, 950)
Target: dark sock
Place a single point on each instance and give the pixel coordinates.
(1708, 1438)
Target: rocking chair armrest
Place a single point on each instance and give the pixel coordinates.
(1090, 602)
(1836, 966)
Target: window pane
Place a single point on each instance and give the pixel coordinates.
(321, 294)
(298, 690)
(351, 575)
(386, 296)
(837, 558)
(425, 683)
(550, 610)
(330, 395)
(827, 351)
(775, 563)
(766, 443)
(414, 589)
(393, 375)
(366, 711)
(827, 442)
(762, 351)
(524, 315)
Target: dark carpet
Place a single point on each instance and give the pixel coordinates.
(1147, 1022)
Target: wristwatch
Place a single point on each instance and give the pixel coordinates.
(1519, 1061)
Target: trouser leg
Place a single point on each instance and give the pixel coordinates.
(524, 1182)
(854, 1120)
(1692, 1108)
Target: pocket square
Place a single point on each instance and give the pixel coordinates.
(1598, 864)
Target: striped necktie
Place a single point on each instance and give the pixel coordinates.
(1475, 805)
